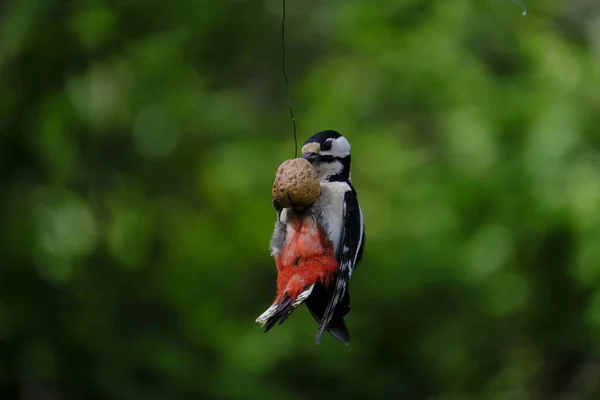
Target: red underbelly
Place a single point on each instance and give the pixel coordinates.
(306, 258)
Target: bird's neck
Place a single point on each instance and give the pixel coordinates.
(336, 170)
(341, 177)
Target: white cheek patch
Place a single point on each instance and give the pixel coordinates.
(339, 148)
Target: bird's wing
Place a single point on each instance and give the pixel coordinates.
(351, 247)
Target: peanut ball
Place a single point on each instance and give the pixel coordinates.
(296, 182)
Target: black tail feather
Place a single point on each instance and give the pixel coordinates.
(317, 303)
(338, 329)
(340, 289)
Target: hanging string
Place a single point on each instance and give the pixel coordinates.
(519, 3)
(287, 83)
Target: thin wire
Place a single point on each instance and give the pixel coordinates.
(287, 83)
(522, 6)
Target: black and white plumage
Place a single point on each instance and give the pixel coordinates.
(337, 211)
(343, 220)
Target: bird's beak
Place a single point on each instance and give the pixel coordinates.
(313, 158)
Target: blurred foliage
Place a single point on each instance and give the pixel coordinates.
(139, 141)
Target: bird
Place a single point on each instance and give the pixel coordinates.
(317, 248)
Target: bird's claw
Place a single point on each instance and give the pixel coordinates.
(277, 203)
(298, 206)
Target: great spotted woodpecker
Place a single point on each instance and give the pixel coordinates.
(317, 249)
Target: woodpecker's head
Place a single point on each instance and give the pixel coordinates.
(329, 153)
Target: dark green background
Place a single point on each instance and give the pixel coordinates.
(139, 142)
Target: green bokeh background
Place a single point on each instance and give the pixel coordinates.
(138, 146)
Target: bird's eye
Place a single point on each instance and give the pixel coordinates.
(327, 145)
